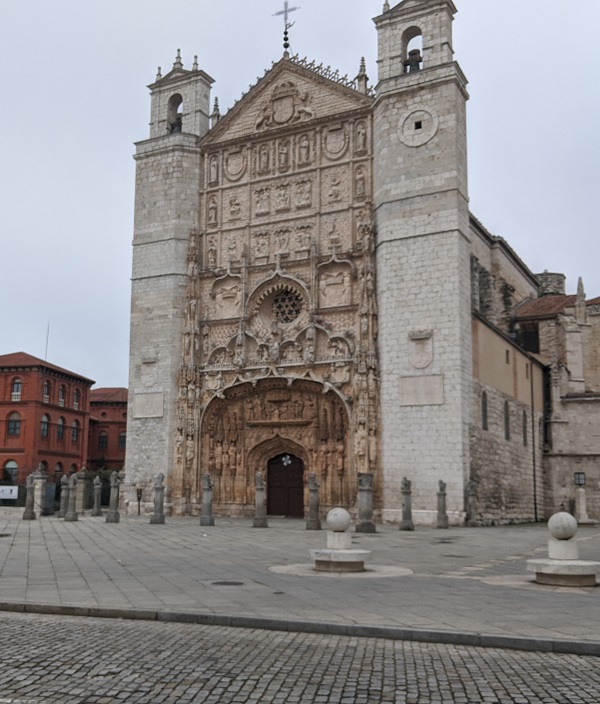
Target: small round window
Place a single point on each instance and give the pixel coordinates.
(287, 306)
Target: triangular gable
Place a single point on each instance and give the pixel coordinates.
(418, 5)
(289, 94)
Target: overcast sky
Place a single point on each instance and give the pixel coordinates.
(74, 73)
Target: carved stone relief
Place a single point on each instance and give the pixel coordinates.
(360, 138)
(334, 286)
(285, 106)
(283, 155)
(213, 170)
(227, 294)
(335, 142)
(235, 165)
(304, 151)
(212, 219)
(263, 200)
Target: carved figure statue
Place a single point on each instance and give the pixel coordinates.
(212, 253)
(214, 170)
(284, 155)
(360, 185)
(260, 484)
(361, 137)
(304, 150)
(263, 159)
(212, 212)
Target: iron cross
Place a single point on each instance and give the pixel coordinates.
(287, 24)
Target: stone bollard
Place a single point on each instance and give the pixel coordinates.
(71, 514)
(97, 511)
(313, 522)
(339, 556)
(442, 516)
(29, 513)
(158, 517)
(113, 515)
(471, 500)
(406, 523)
(260, 515)
(40, 479)
(64, 496)
(365, 504)
(206, 519)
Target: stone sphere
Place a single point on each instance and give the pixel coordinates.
(338, 520)
(562, 526)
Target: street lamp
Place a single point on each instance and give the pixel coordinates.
(139, 498)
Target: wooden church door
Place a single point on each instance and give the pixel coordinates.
(285, 486)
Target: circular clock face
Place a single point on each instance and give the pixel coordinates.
(418, 127)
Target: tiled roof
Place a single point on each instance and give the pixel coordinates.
(549, 305)
(108, 395)
(22, 359)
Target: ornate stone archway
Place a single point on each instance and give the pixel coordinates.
(253, 422)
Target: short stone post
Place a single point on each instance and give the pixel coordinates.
(71, 514)
(39, 489)
(158, 517)
(472, 504)
(260, 514)
(64, 496)
(365, 504)
(97, 511)
(29, 513)
(113, 515)
(582, 515)
(206, 519)
(442, 516)
(406, 523)
(313, 522)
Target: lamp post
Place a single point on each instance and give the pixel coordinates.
(139, 492)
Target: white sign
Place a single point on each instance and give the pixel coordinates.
(9, 492)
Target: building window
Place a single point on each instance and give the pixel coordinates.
(506, 421)
(484, 411)
(45, 424)
(524, 428)
(76, 397)
(60, 429)
(10, 471)
(61, 395)
(103, 441)
(508, 356)
(122, 441)
(46, 392)
(15, 392)
(14, 424)
(75, 431)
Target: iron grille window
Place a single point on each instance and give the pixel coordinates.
(287, 306)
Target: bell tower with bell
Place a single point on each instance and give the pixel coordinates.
(423, 249)
(168, 182)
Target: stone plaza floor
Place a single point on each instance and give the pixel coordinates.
(461, 585)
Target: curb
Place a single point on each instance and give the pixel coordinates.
(480, 640)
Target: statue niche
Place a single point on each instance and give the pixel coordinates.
(335, 286)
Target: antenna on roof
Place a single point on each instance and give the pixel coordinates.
(47, 338)
(286, 24)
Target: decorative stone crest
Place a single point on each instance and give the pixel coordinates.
(421, 348)
(286, 106)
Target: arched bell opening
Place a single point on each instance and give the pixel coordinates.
(412, 49)
(175, 114)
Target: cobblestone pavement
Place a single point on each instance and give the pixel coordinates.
(68, 660)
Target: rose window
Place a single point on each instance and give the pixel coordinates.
(287, 306)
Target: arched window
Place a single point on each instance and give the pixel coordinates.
(506, 421)
(103, 440)
(122, 441)
(14, 425)
(484, 411)
(75, 431)
(10, 471)
(15, 390)
(73, 468)
(46, 392)
(76, 398)
(412, 49)
(175, 114)
(61, 395)
(525, 428)
(44, 426)
(60, 428)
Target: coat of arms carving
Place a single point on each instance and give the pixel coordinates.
(287, 105)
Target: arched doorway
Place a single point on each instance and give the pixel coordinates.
(285, 486)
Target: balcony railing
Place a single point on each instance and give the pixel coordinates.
(15, 396)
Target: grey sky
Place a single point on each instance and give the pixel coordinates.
(74, 76)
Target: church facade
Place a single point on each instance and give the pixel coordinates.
(310, 295)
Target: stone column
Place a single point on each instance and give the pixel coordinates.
(313, 522)
(260, 515)
(113, 515)
(29, 513)
(206, 519)
(64, 496)
(406, 523)
(39, 487)
(97, 510)
(158, 517)
(472, 504)
(83, 481)
(442, 516)
(365, 503)
(71, 514)
(582, 515)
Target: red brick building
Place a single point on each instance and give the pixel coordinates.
(44, 417)
(108, 429)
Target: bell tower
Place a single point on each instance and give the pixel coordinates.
(422, 254)
(168, 180)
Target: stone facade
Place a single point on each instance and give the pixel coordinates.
(312, 296)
